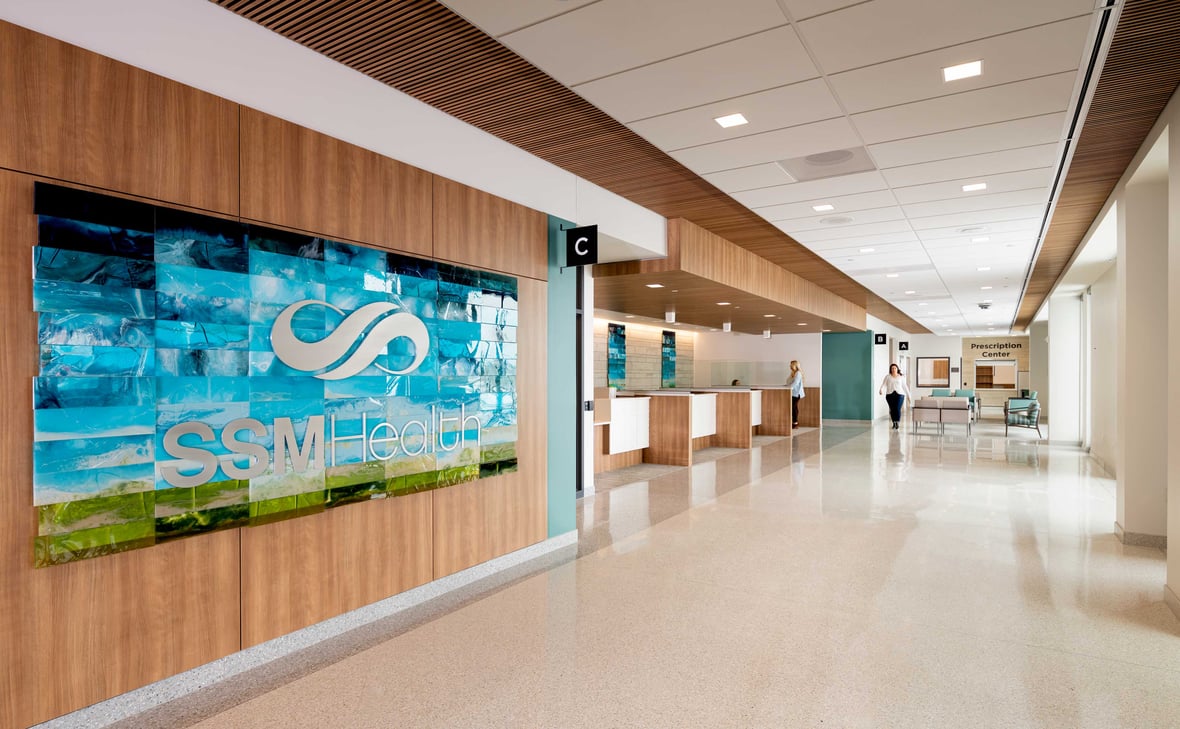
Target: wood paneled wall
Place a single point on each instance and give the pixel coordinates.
(353, 193)
(82, 632)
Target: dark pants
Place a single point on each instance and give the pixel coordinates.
(895, 399)
(795, 410)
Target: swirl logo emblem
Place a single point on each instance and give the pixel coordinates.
(372, 325)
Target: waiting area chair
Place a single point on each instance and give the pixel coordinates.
(940, 392)
(1020, 412)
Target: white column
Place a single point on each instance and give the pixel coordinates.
(1172, 590)
(1065, 372)
(1038, 364)
(1142, 387)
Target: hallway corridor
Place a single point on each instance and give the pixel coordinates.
(849, 577)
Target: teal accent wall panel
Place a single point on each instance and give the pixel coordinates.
(848, 376)
(563, 394)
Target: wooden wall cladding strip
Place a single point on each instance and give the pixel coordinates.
(298, 572)
(1140, 75)
(73, 115)
(296, 177)
(85, 631)
(481, 520)
(490, 232)
(422, 48)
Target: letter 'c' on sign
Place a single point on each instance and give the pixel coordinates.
(580, 246)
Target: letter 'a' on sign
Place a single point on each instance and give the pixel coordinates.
(903, 346)
(581, 246)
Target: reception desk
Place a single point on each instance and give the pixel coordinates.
(739, 411)
(776, 411)
(621, 432)
(679, 419)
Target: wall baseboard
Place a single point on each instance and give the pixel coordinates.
(155, 695)
(1135, 539)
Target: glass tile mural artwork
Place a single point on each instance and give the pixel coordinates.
(200, 374)
(668, 359)
(616, 356)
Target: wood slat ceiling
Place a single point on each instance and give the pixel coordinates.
(425, 50)
(1141, 73)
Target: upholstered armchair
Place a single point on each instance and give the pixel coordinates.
(940, 392)
(1022, 413)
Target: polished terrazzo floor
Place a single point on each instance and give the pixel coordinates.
(846, 577)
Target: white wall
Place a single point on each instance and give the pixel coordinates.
(1065, 372)
(932, 345)
(883, 356)
(1142, 441)
(1038, 364)
(1103, 368)
(720, 357)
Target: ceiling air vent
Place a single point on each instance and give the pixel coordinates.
(832, 163)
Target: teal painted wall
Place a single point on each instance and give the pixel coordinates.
(848, 373)
(563, 393)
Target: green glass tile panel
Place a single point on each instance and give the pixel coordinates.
(72, 516)
(200, 522)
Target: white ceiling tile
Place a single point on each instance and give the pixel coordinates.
(816, 222)
(993, 230)
(1009, 160)
(840, 251)
(845, 206)
(1025, 54)
(769, 146)
(851, 231)
(753, 63)
(968, 109)
(972, 141)
(984, 217)
(800, 9)
(877, 240)
(971, 202)
(1024, 180)
(786, 106)
(812, 190)
(883, 30)
(610, 36)
(496, 17)
(750, 178)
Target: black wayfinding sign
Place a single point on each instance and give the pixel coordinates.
(581, 246)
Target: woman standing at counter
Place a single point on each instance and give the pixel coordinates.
(895, 390)
(796, 383)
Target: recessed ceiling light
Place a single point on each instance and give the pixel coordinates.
(722, 303)
(769, 316)
(923, 303)
(988, 301)
(712, 330)
(911, 291)
(629, 316)
(892, 275)
(975, 187)
(867, 250)
(731, 120)
(825, 208)
(985, 288)
(825, 330)
(984, 268)
(655, 286)
(962, 71)
(802, 323)
(981, 239)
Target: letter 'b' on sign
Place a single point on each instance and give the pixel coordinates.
(581, 246)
